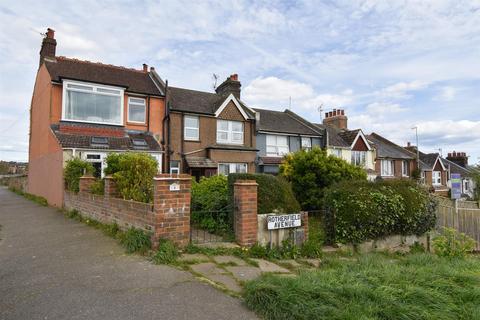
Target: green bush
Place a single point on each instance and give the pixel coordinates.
(366, 210)
(133, 173)
(210, 194)
(74, 169)
(136, 240)
(311, 172)
(166, 253)
(274, 193)
(453, 244)
(98, 187)
(312, 248)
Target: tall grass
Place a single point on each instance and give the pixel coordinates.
(420, 286)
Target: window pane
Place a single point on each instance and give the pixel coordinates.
(191, 122)
(80, 87)
(191, 133)
(282, 141)
(282, 150)
(306, 142)
(271, 140)
(237, 126)
(223, 169)
(136, 113)
(137, 101)
(222, 136)
(92, 107)
(240, 168)
(271, 150)
(222, 125)
(108, 91)
(238, 137)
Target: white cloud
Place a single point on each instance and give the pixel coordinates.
(448, 93)
(401, 89)
(382, 109)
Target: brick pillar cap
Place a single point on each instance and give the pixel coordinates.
(109, 177)
(171, 176)
(87, 177)
(246, 182)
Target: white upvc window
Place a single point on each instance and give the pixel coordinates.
(359, 158)
(436, 178)
(230, 132)
(387, 168)
(466, 185)
(227, 168)
(85, 102)
(337, 152)
(191, 128)
(277, 145)
(137, 110)
(405, 168)
(307, 143)
(174, 167)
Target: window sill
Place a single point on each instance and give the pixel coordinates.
(94, 122)
(192, 140)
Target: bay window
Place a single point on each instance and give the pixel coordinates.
(227, 168)
(137, 110)
(387, 168)
(359, 158)
(191, 128)
(277, 145)
(92, 103)
(230, 132)
(436, 178)
(306, 143)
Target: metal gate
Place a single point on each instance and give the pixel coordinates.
(212, 226)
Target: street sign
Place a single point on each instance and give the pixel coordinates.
(456, 181)
(284, 221)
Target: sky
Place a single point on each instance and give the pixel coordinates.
(391, 65)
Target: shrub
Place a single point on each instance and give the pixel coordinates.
(274, 193)
(133, 173)
(166, 253)
(310, 172)
(453, 244)
(74, 169)
(312, 248)
(136, 240)
(365, 210)
(210, 194)
(98, 187)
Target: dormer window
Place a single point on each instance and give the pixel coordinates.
(85, 102)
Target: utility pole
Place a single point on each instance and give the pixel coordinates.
(320, 110)
(418, 149)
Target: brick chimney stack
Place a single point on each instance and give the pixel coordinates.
(49, 45)
(336, 118)
(230, 86)
(145, 67)
(459, 158)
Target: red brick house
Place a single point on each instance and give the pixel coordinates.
(86, 109)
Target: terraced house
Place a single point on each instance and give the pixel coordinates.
(85, 109)
(210, 133)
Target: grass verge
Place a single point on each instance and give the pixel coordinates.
(418, 286)
(40, 200)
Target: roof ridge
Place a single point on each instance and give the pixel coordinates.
(100, 64)
(300, 120)
(214, 93)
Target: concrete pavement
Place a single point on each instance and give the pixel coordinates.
(52, 267)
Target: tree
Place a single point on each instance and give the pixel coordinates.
(476, 183)
(310, 172)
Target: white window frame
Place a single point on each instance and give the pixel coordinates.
(362, 154)
(232, 165)
(336, 152)
(308, 144)
(144, 105)
(95, 88)
(277, 147)
(387, 168)
(101, 160)
(197, 138)
(230, 133)
(175, 170)
(435, 181)
(405, 167)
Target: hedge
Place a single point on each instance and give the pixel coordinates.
(370, 210)
(74, 169)
(274, 193)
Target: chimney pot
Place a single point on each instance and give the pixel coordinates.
(326, 114)
(409, 144)
(145, 68)
(152, 69)
(234, 77)
(50, 33)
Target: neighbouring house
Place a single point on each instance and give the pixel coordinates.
(210, 133)
(392, 160)
(457, 162)
(350, 145)
(89, 109)
(278, 133)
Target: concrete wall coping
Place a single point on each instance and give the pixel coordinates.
(164, 177)
(246, 183)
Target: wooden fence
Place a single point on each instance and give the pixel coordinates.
(465, 217)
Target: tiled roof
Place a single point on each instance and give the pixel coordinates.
(429, 159)
(349, 135)
(333, 137)
(89, 140)
(285, 122)
(194, 101)
(200, 162)
(73, 69)
(388, 149)
(455, 168)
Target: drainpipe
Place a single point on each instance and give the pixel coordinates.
(166, 130)
(148, 114)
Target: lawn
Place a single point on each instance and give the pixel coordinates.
(377, 286)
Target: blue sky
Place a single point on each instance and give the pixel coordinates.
(391, 64)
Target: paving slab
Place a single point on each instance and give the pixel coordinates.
(229, 259)
(245, 273)
(193, 257)
(227, 281)
(267, 266)
(207, 268)
(292, 263)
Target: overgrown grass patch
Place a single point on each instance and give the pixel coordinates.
(40, 200)
(166, 253)
(377, 286)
